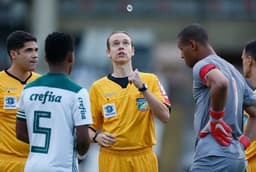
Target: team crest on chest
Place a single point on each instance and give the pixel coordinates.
(109, 110)
(142, 104)
(10, 102)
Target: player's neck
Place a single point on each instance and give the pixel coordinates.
(19, 73)
(122, 71)
(60, 68)
(207, 51)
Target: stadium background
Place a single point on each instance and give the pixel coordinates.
(153, 24)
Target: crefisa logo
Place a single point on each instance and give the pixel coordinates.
(82, 108)
(48, 96)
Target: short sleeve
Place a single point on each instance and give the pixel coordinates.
(204, 71)
(160, 92)
(95, 108)
(21, 109)
(249, 96)
(200, 71)
(82, 111)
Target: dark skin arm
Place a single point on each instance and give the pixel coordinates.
(21, 130)
(83, 140)
(218, 84)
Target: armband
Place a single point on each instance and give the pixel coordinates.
(143, 88)
(245, 141)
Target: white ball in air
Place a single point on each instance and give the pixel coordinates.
(129, 8)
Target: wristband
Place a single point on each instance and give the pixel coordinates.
(143, 88)
(94, 137)
(245, 141)
(81, 157)
(216, 115)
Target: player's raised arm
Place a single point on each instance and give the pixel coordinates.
(159, 109)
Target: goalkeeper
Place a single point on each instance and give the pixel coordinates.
(220, 93)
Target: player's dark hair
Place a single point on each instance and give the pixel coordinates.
(57, 47)
(17, 39)
(250, 49)
(194, 32)
(115, 32)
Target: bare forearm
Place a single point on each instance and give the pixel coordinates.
(218, 85)
(83, 147)
(23, 138)
(83, 140)
(218, 91)
(218, 99)
(21, 131)
(160, 110)
(251, 128)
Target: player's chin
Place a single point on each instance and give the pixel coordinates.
(32, 67)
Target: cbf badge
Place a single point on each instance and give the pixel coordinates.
(10, 102)
(142, 104)
(109, 110)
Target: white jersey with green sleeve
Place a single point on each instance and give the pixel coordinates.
(52, 106)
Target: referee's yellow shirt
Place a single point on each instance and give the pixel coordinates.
(124, 112)
(250, 154)
(10, 90)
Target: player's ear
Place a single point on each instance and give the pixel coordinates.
(71, 57)
(108, 53)
(194, 45)
(133, 50)
(251, 60)
(13, 54)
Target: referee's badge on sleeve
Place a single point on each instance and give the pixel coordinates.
(109, 110)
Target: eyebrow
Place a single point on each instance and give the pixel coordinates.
(30, 49)
(121, 40)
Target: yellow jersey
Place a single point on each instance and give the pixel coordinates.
(10, 90)
(124, 112)
(250, 154)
